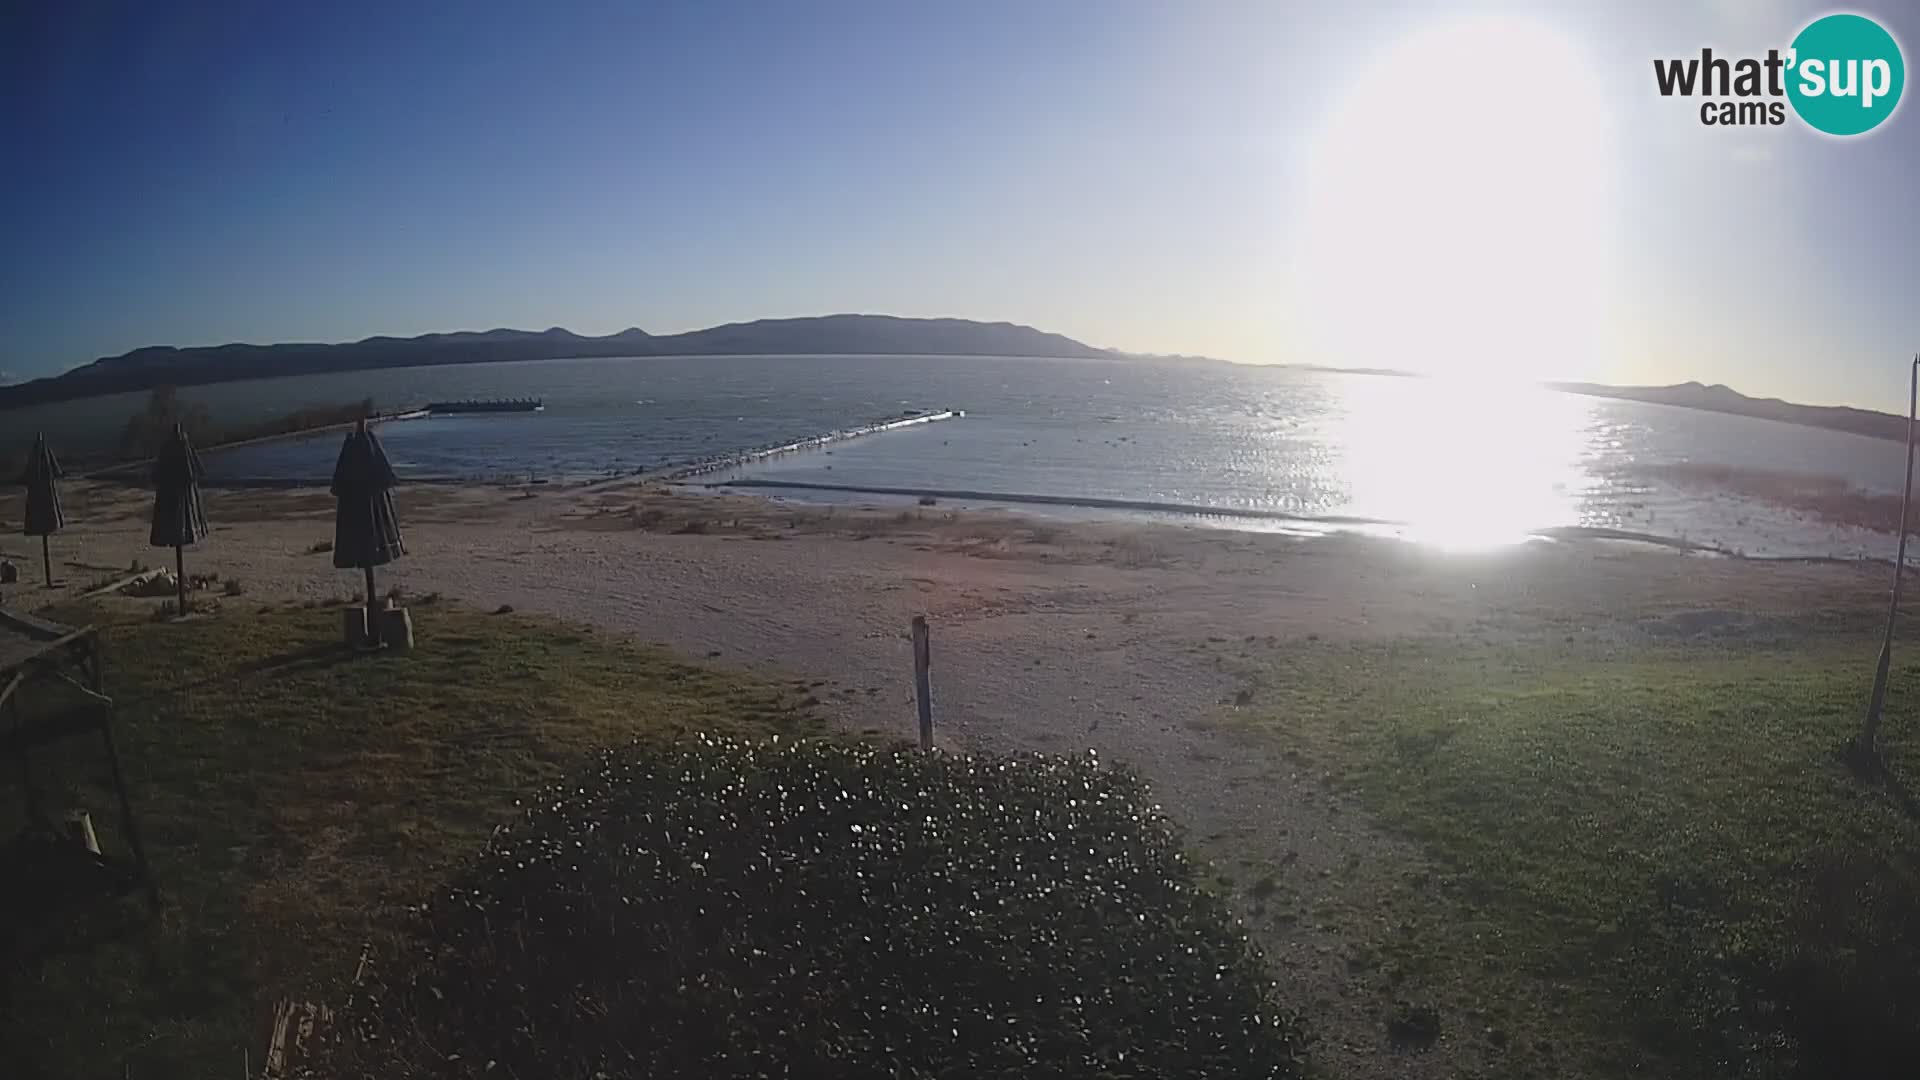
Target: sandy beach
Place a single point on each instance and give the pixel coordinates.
(1133, 641)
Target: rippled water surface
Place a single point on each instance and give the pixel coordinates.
(1452, 465)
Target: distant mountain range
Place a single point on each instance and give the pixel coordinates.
(165, 365)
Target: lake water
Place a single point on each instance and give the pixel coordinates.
(1453, 466)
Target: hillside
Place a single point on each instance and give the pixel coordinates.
(165, 365)
(1725, 399)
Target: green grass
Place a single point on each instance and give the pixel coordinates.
(293, 799)
(1639, 847)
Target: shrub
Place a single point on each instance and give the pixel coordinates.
(928, 500)
(233, 587)
(719, 908)
(694, 527)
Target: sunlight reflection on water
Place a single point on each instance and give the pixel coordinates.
(1463, 465)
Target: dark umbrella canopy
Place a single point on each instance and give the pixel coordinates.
(366, 531)
(43, 490)
(178, 518)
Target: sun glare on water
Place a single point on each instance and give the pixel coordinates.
(1456, 219)
(1462, 466)
(1456, 216)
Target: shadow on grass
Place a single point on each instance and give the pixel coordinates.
(55, 901)
(296, 661)
(311, 658)
(1871, 768)
(1901, 794)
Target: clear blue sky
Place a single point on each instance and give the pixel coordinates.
(1131, 174)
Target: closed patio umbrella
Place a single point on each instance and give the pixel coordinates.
(178, 519)
(366, 532)
(43, 499)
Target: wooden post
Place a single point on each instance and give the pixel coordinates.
(922, 686)
(373, 611)
(180, 578)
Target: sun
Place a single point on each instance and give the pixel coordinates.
(1456, 215)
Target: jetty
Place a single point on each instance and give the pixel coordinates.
(499, 405)
(724, 462)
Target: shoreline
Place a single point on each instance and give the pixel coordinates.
(1119, 512)
(1317, 525)
(685, 475)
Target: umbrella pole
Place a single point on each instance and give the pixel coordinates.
(373, 615)
(46, 560)
(180, 577)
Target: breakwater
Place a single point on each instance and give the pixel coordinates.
(723, 462)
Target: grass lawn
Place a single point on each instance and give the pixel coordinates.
(293, 799)
(1651, 855)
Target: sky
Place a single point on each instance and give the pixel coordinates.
(1416, 184)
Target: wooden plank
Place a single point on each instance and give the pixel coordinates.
(140, 578)
(25, 638)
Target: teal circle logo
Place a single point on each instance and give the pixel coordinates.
(1845, 74)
